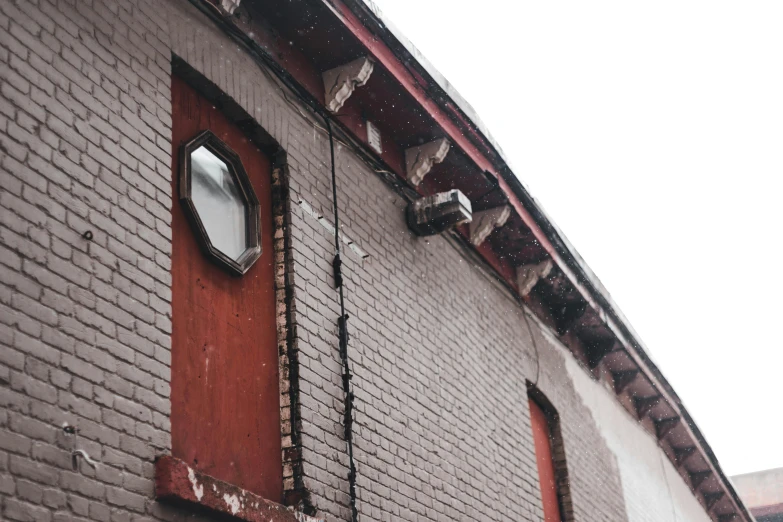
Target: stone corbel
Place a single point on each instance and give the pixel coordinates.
(230, 5)
(419, 160)
(486, 221)
(529, 275)
(340, 82)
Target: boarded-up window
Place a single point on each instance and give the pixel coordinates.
(225, 398)
(549, 476)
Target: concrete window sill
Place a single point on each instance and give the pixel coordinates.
(178, 482)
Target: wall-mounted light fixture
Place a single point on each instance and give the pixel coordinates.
(434, 214)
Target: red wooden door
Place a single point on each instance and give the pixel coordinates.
(225, 402)
(546, 466)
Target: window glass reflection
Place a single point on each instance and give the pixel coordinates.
(219, 203)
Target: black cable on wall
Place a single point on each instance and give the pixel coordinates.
(342, 324)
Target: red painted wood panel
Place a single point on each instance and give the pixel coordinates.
(225, 401)
(546, 466)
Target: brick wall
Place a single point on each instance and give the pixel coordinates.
(440, 352)
(84, 138)
(652, 487)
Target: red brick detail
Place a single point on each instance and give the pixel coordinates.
(176, 481)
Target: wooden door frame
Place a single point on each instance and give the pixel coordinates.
(294, 491)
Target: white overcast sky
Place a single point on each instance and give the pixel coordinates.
(652, 133)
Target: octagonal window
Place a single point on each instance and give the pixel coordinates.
(220, 202)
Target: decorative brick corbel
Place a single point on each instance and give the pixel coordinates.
(340, 82)
(230, 5)
(486, 221)
(419, 160)
(529, 275)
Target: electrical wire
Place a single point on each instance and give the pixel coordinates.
(343, 336)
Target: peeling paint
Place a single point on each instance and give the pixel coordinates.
(301, 517)
(198, 490)
(232, 501)
(175, 480)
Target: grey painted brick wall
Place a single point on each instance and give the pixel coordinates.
(439, 351)
(84, 139)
